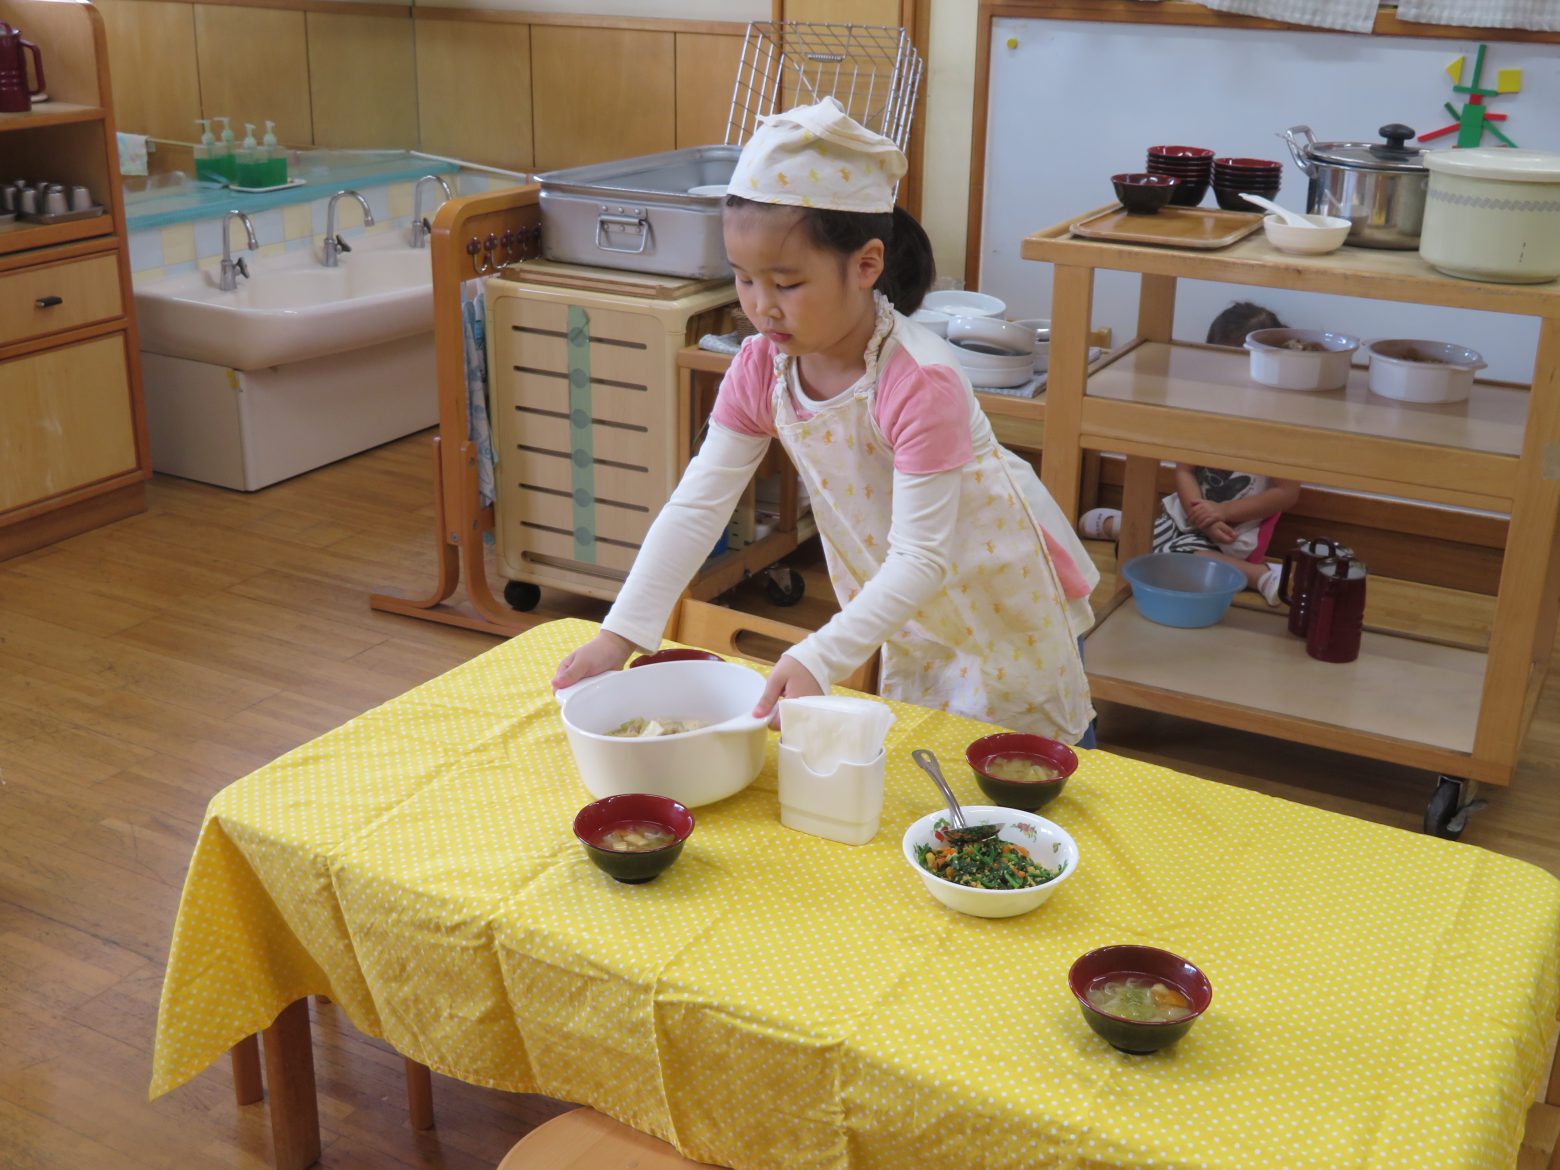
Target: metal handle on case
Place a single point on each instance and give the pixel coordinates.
(637, 221)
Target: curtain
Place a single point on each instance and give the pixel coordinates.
(1540, 15)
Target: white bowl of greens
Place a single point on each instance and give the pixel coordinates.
(1008, 882)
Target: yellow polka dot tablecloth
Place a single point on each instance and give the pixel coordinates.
(1381, 999)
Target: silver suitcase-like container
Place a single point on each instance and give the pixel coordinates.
(639, 214)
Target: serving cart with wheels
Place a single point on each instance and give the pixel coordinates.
(1460, 711)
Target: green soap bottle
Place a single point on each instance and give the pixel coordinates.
(205, 163)
(276, 158)
(223, 160)
(251, 162)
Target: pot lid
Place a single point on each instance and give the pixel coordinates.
(1503, 162)
(1391, 154)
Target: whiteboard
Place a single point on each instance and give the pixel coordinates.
(1075, 102)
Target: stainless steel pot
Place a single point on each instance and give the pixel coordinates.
(1379, 187)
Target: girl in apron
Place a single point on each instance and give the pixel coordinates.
(944, 548)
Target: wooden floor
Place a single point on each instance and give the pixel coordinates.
(146, 665)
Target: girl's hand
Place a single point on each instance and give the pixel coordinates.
(788, 680)
(1220, 532)
(1204, 513)
(606, 651)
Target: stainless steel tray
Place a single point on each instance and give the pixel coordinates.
(64, 216)
(637, 213)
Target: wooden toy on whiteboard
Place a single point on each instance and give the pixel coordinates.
(1475, 117)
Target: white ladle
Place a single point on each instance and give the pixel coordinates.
(1292, 218)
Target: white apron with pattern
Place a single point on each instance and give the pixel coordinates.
(998, 643)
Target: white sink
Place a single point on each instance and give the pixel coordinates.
(291, 308)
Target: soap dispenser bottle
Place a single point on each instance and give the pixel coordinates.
(251, 163)
(205, 153)
(276, 158)
(223, 159)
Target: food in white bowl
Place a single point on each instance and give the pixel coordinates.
(1319, 235)
(1046, 844)
(1422, 371)
(1300, 359)
(960, 303)
(992, 333)
(694, 767)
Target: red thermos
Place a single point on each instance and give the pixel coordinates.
(1337, 611)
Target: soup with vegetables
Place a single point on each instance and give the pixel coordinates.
(635, 837)
(1141, 999)
(644, 728)
(1021, 769)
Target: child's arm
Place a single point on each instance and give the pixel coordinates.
(1280, 496)
(679, 541)
(924, 517)
(1186, 487)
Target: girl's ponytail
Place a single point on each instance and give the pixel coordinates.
(908, 265)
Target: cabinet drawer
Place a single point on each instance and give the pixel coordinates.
(65, 420)
(35, 302)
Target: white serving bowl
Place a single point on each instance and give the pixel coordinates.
(1326, 233)
(1273, 364)
(932, 319)
(1048, 843)
(1442, 372)
(1042, 331)
(693, 767)
(994, 371)
(958, 303)
(989, 331)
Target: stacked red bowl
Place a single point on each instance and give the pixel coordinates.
(1193, 165)
(1233, 176)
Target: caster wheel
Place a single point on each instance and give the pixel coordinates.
(522, 596)
(1450, 806)
(784, 586)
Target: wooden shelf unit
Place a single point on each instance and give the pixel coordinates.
(73, 443)
(1458, 711)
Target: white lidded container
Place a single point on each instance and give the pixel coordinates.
(1422, 371)
(693, 767)
(1493, 214)
(1323, 365)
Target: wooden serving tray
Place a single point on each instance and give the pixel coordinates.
(1174, 227)
(620, 282)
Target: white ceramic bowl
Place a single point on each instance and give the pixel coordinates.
(693, 767)
(994, 371)
(1042, 331)
(933, 320)
(1422, 371)
(1048, 843)
(958, 303)
(1326, 234)
(989, 331)
(1274, 364)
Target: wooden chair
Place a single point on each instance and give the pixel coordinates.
(583, 1139)
(714, 627)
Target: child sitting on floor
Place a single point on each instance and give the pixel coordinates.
(1226, 515)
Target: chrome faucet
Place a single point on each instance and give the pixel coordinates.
(334, 244)
(420, 225)
(232, 269)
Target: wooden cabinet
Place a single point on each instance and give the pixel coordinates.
(1459, 710)
(73, 448)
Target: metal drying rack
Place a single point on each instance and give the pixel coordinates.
(874, 71)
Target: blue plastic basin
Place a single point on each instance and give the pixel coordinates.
(1181, 589)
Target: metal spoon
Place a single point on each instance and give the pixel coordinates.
(1292, 218)
(962, 832)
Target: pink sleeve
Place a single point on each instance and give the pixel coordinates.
(924, 413)
(744, 403)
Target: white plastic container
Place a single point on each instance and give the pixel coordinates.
(1422, 371)
(1493, 214)
(959, 303)
(845, 805)
(1275, 364)
(694, 767)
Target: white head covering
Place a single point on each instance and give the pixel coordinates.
(818, 156)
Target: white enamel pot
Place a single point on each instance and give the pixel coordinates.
(1493, 214)
(693, 767)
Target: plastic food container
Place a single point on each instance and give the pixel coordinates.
(1278, 361)
(1182, 589)
(1422, 371)
(692, 767)
(1493, 214)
